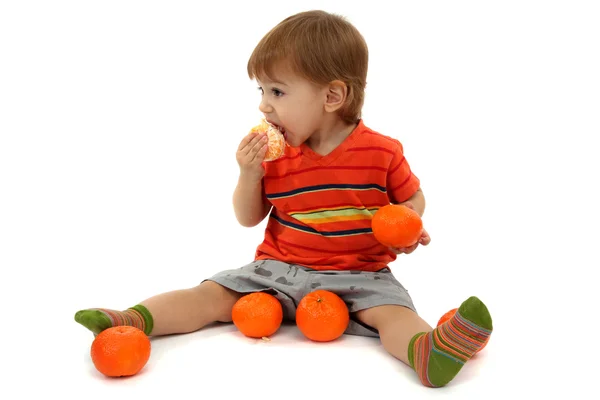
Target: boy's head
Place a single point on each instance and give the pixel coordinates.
(321, 48)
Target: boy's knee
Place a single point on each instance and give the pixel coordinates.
(219, 299)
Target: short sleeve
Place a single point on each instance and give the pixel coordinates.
(401, 182)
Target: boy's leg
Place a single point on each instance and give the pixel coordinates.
(179, 311)
(396, 326)
(437, 355)
(380, 306)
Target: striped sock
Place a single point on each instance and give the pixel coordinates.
(438, 356)
(99, 319)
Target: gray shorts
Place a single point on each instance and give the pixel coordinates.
(290, 283)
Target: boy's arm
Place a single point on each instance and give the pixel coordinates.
(248, 204)
(418, 202)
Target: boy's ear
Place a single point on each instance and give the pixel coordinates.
(337, 94)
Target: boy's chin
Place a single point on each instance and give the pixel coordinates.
(292, 143)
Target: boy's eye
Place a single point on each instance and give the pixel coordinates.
(276, 92)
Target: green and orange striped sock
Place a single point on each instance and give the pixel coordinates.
(99, 319)
(439, 355)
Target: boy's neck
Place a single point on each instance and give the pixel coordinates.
(331, 134)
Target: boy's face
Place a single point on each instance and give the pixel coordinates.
(294, 104)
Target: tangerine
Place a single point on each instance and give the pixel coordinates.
(120, 351)
(449, 315)
(322, 316)
(275, 142)
(397, 226)
(257, 314)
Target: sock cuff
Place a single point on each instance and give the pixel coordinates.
(147, 317)
(411, 349)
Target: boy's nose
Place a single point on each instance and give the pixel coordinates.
(264, 107)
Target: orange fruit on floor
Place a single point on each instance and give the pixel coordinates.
(257, 315)
(322, 316)
(449, 315)
(396, 225)
(120, 351)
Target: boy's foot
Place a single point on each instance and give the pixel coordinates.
(99, 319)
(439, 355)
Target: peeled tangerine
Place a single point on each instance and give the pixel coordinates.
(276, 140)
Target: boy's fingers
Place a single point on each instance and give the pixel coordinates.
(260, 154)
(258, 145)
(246, 140)
(425, 238)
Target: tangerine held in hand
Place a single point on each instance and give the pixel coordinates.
(396, 225)
(322, 316)
(257, 314)
(275, 140)
(120, 351)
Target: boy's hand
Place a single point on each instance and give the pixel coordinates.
(250, 155)
(423, 240)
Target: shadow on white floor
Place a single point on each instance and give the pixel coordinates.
(221, 361)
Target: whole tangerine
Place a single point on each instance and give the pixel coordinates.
(397, 226)
(322, 316)
(120, 351)
(257, 315)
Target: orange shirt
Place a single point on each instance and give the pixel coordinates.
(323, 205)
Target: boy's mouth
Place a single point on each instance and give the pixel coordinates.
(279, 128)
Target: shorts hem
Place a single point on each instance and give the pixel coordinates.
(371, 302)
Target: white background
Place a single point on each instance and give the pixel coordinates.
(119, 122)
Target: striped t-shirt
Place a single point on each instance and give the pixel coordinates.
(323, 205)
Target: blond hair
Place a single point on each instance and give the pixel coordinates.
(321, 47)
